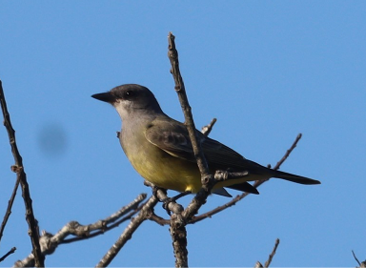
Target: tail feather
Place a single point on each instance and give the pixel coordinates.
(244, 187)
(293, 177)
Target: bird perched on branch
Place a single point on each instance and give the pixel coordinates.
(159, 147)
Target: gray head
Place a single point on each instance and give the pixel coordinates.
(130, 99)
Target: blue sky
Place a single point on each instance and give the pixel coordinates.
(266, 70)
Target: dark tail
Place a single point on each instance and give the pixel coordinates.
(293, 177)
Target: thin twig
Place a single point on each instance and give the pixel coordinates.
(268, 262)
(258, 265)
(129, 230)
(19, 169)
(288, 152)
(361, 264)
(8, 209)
(354, 256)
(159, 220)
(206, 130)
(11, 251)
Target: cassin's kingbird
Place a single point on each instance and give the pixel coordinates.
(160, 150)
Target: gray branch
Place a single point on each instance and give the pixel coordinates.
(144, 213)
(18, 168)
(50, 242)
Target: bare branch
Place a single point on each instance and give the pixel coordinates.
(354, 256)
(258, 265)
(159, 220)
(361, 264)
(288, 152)
(129, 230)
(178, 233)
(177, 230)
(8, 209)
(268, 262)
(100, 227)
(177, 225)
(50, 242)
(22, 177)
(206, 178)
(206, 130)
(11, 251)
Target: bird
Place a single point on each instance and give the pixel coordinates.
(160, 150)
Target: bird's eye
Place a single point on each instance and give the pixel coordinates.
(128, 94)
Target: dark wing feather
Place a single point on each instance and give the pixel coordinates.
(222, 156)
(172, 137)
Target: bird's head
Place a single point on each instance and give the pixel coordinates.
(130, 99)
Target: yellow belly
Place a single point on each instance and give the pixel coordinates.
(166, 171)
(169, 172)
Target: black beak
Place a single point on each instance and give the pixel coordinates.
(107, 97)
